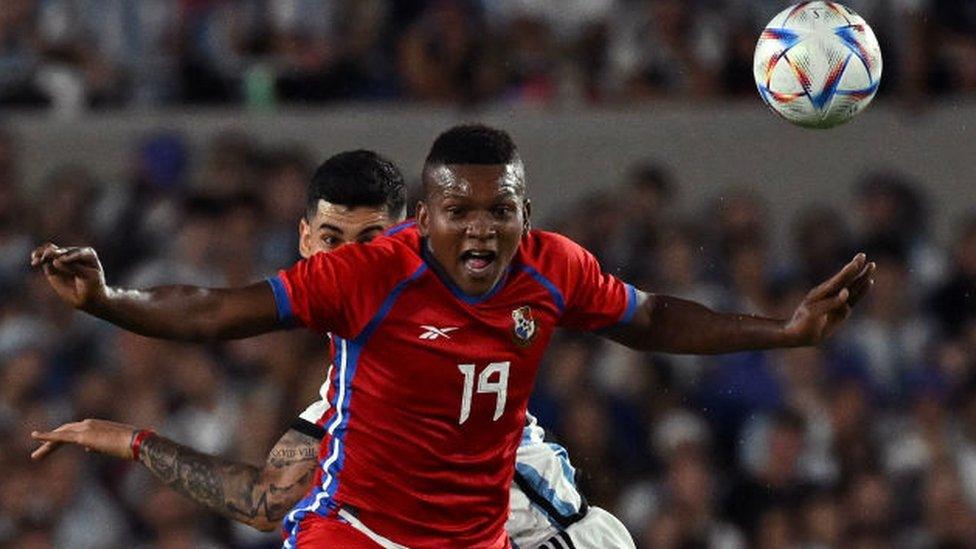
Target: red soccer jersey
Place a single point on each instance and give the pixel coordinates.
(431, 385)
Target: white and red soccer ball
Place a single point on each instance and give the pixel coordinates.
(817, 64)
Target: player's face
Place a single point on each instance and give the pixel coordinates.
(474, 217)
(334, 226)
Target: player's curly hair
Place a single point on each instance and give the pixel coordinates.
(472, 144)
(358, 178)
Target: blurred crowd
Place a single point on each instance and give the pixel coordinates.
(76, 54)
(867, 441)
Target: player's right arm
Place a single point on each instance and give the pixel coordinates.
(258, 497)
(169, 312)
(672, 325)
(596, 301)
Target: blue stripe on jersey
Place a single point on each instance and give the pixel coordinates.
(476, 299)
(282, 301)
(337, 425)
(320, 497)
(542, 487)
(293, 520)
(455, 290)
(627, 315)
(397, 228)
(347, 358)
(557, 296)
(385, 308)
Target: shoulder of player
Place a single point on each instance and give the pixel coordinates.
(403, 235)
(541, 247)
(400, 243)
(552, 258)
(390, 254)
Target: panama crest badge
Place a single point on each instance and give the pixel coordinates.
(523, 326)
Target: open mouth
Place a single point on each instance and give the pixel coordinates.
(478, 261)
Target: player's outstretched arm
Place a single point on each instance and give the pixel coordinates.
(245, 493)
(668, 324)
(170, 312)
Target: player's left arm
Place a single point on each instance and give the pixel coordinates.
(669, 324)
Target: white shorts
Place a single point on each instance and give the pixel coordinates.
(597, 530)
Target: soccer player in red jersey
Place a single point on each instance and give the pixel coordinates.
(352, 197)
(424, 430)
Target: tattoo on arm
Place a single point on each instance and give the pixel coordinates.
(258, 497)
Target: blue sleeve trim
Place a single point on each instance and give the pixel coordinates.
(631, 305)
(540, 493)
(387, 305)
(282, 302)
(626, 316)
(557, 296)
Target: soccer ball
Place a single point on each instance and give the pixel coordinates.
(817, 64)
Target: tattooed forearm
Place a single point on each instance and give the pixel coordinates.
(199, 476)
(258, 497)
(282, 456)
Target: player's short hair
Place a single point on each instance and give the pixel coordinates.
(358, 178)
(472, 144)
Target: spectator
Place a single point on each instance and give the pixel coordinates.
(688, 508)
(956, 44)
(19, 54)
(821, 522)
(821, 239)
(772, 483)
(893, 209)
(954, 303)
(891, 336)
(76, 54)
(667, 47)
(446, 56)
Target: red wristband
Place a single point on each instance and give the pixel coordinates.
(137, 440)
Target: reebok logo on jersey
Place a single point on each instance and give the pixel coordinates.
(433, 332)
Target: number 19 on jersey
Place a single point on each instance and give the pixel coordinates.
(486, 384)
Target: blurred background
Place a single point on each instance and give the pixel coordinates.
(176, 137)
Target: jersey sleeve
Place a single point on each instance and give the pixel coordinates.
(337, 292)
(594, 300)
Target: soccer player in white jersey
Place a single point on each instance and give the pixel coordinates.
(353, 197)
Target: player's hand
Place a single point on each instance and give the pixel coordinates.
(94, 435)
(75, 273)
(829, 304)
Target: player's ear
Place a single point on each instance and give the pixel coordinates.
(423, 218)
(304, 238)
(527, 221)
